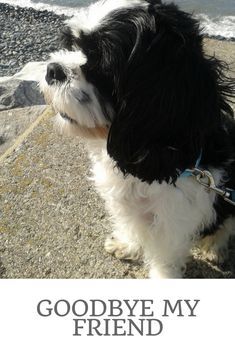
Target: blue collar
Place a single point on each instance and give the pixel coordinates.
(188, 172)
(227, 193)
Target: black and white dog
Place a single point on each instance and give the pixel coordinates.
(133, 80)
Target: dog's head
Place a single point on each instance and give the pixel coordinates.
(134, 72)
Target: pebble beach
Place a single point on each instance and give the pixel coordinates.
(26, 35)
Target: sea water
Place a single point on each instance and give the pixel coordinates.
(217, 17)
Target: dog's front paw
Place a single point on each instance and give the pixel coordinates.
(121, 250)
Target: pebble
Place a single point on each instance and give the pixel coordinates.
(26, 35)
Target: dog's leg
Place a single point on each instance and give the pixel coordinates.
(163, 245)
(164, 254)
(164, 272)
(165, 259)
(123, 243)
(215, 247)
(121, 250)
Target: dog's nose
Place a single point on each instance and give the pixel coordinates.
(55, 73)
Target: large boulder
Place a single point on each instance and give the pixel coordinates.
(19, 94)
(21, 90)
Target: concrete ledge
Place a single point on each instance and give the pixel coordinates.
(15, 122)
(52, 222)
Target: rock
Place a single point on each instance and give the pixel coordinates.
(21, 90)
(18, 94)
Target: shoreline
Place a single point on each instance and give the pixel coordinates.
(27, 34)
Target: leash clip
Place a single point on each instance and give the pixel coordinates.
(206, 179)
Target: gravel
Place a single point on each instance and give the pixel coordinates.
(26, 35)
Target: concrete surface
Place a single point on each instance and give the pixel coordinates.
(14, 122)
(52, 222)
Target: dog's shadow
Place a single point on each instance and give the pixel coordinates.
(200, 268)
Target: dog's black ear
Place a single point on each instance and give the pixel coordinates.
(174, 97)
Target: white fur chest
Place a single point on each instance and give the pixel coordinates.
(185, 208)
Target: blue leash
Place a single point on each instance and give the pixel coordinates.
(200, 175)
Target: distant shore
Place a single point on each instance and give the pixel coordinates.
(28, 35)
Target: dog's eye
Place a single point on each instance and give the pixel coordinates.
(67, 39)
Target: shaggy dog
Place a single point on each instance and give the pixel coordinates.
(134, 81)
